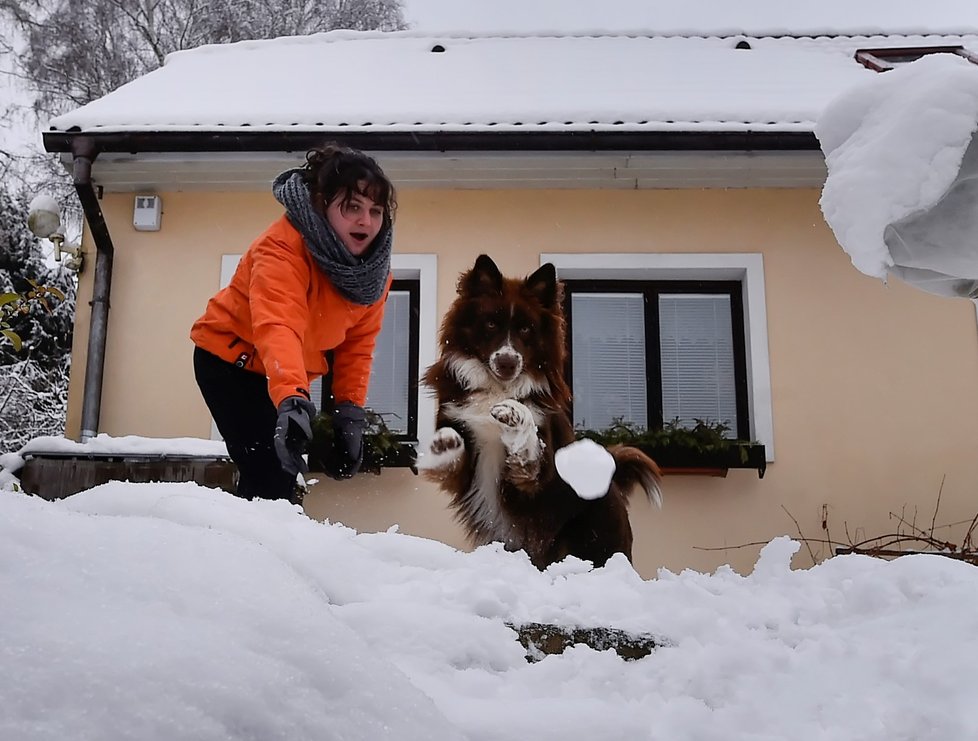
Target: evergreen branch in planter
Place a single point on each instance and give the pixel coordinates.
(382, 448)
(704, 437)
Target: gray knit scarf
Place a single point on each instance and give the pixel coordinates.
(360, 279)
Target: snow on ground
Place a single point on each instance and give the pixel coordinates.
(162, 611)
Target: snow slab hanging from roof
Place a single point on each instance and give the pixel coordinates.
(901, 194)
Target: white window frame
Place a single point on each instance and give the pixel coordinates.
(424, 269)
(745, 267)
(414, 266)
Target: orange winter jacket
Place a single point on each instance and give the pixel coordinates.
(280, 314)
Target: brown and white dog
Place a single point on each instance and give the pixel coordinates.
(503, 412)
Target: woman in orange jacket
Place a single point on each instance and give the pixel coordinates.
(315, 281)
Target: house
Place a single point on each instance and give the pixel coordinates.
(674, 181)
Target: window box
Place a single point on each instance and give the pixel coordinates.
(382, 447)
(678, 459)
(702, 450)
(376, 456)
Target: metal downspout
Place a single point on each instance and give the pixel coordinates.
(84, 153)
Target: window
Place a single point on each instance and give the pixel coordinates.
(392, 392)
(405, 347)
(654, 337)
(884, 59)
(651, 352)
(394, 374)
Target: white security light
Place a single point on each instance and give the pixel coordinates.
(44, 221)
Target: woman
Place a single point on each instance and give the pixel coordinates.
(315, 281)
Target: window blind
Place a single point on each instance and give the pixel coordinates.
(389, 375)
(697, 358)
(387, 393)
(608, 365)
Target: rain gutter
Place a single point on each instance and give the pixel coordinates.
(84, 152)
(435, 141)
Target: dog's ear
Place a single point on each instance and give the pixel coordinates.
(483, 278)
(543, 284)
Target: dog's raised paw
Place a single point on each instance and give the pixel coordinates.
(518, 429)
(446, 440)
(444, 452)
(511, 413)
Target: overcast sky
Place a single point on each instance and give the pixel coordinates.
(693, 16)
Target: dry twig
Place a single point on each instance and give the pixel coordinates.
(907, 540)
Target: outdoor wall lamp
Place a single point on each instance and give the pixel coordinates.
(44, 221)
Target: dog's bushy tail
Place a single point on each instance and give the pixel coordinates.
(632, 467)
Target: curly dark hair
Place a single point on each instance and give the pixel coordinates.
(333, 169)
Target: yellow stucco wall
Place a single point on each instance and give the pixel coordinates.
(875, 387)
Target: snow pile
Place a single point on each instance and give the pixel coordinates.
(163, 611)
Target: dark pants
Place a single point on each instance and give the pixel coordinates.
(245, 416)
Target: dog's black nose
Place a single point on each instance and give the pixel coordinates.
(505, 365)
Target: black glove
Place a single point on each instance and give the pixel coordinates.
(293, 431)
(349, 423)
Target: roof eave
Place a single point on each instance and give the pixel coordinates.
(431, 141)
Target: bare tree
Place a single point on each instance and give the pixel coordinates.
(68, 53)
(35, 349)
(33, 401)
(79, 50)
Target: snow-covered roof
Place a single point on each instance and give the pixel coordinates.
(355, 82)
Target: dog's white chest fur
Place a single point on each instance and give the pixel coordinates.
(502, 428)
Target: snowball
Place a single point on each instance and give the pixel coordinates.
(587, 467)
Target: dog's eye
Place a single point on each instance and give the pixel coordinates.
(491, 324)
(525, 330)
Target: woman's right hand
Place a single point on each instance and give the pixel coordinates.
(293, 431)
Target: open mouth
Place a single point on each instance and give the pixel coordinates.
(357, 242)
